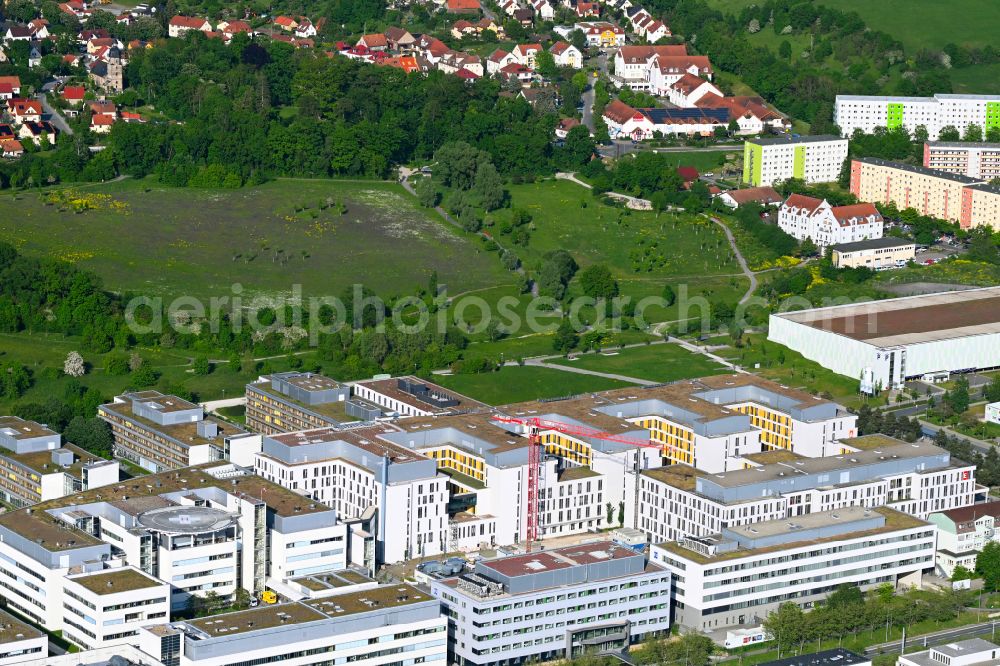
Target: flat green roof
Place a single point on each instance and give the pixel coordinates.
(115, 581)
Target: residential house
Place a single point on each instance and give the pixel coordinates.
(752, 115)
(601, 33)
(35, 131)
(101, 123)
(72, 59)
(399, 39)
(508, 7)
(19, 33)
(491, 25)
(39, 28)
(633, 64)
(807, 217)
(14, 82)
(498, 60)
(374, 42)
(6, 92)
(305, 29)
(73, 95)
(566, 55)
(179, 25)
(564, 126)
(527, 53)
(75, 8)
(11, 148)
(286, 23)
(765, 196)
(517, 71)
(463, 28)
(463, 6)
(230, 29)
(687, 90)
(588, 9)
(24, 110)
(525, 16)
(544, 9)
(655, 31)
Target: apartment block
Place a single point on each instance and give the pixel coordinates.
(963, 533)
(679, 501)
(162, 432)
(865, 113)
(36, 466)
(213, 528)
(556, 604)
(975, 160)
(740, 574)
(814, 159)
(807, 217)
(20, 643)
(107, 608)
(291, 401)
(410, 396)
(940, 194)
(389, 624)
(876, 254)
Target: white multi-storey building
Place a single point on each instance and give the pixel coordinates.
(814, 159)
(807, 217)
(980, 161)
(389, 624)
(963, 533)
(678, 501)
(865, 113)
(971, 652)
(394, 495)
(20, 643)
(107, 608)
(556, 604)
(410, 396)
(199, 530)
(740, 575)
(36, 466)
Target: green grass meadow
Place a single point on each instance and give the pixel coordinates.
(658, 363)
(520, 383)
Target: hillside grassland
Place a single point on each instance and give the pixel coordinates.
(658, 363)
(916, 23)
(322, 234)
(521, 383)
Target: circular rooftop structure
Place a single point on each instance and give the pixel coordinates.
(186, 519)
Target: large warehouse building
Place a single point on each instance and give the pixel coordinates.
(883, 343)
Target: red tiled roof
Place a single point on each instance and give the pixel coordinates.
(466, 74)
(803, 202)
(73, 92)
(850, 215)
(188, 22)
(967, 514)
(684, 62)
(463, 5)
(14, 81)
(6, 89)
(688, 83)
(759, 194)
(689, 174)
(634, 54)
(619, 111)
(102, 119)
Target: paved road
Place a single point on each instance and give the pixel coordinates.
(743, 262)
(938, 637)
(50, 111)
(589, 94)
(215, 405)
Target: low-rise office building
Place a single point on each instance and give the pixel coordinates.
(20, 643)
(678, 501)
(555, 604)
(833, 657)
(963, 533)
(814, 159)
(876, 254)
(291, 401)
(36, 466)
(396, 624)
(107, 608)
(742, 573)
(410, 396)
(975, 160)
(162, 432)
(970, 652)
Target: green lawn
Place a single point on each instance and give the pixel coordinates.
(566, 216)
(44, 354)
(704, 161)
(781, 364)
(977, 79)
(658, 363)
(917, 23)
(173, 242)
(519, 383)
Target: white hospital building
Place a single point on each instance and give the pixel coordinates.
(739, 575)
(679, 501)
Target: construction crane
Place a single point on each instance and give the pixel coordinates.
(535, 426)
